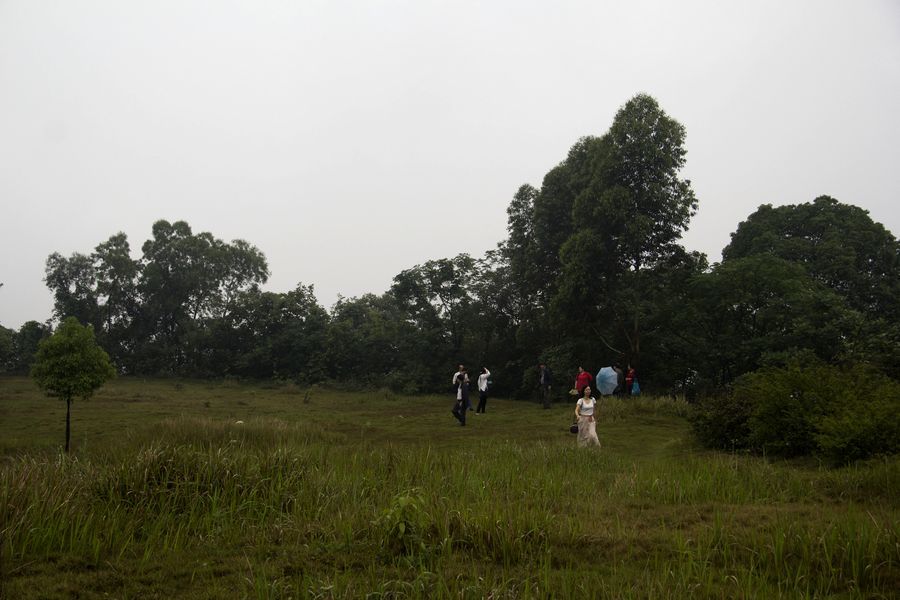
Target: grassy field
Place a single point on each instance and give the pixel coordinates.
(179, 489)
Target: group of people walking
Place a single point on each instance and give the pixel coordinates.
(620, 382)
(616, 382)
(461, 384)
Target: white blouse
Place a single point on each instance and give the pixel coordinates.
(586, 407)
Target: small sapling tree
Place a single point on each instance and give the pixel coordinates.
(70, 364)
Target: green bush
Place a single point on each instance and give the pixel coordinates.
(784, 404)
(842, 414)
(838, 413)
(867, 427)
(720, 421)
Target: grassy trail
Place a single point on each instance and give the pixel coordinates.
(319, 494)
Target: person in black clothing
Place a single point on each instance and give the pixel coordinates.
(620, 380)
(462, 397)
(545, 383)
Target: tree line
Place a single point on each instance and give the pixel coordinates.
(592, 272)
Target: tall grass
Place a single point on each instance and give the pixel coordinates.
(617, 408)
(281, 509)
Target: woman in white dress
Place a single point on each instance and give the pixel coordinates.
(585, 410)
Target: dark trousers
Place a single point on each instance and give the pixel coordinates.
(459, 411)
(545, 396)
(482, 402)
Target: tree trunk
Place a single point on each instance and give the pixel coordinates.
(68, 415)
(636, 332)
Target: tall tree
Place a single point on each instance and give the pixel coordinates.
(117, 276)
(646, 156)
(759, 306)
(631, 207)
(553, 217)
(188, 281)
(282, 335)
(26, 343)
(7, 349)
(436, 297)
(371, 342)
(838, 244)
(73, 282)
(520, 250)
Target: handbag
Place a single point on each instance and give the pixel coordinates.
(573, 428)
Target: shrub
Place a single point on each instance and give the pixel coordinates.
(721, 421)
(402, 526)
(868, 424)
(839, 413)
(784, 403)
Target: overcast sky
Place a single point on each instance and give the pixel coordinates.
(346, 140)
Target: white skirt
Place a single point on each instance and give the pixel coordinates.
(587, 432)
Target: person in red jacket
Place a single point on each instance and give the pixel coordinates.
(629, 380)
(582, 380)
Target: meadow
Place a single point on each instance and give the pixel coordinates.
(193, 489)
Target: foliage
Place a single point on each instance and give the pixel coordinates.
(838, 244)
(844, 251)
(69, 364)
(188, 281)
(365, 342)
(861, 425)
(876, 341)
(25, 345)
(721, 421)
(284, 334)
(784, 405)
(750, 307)
(436, 297)
(646, 155)
(630, 208)
(156, 314)
(7, 349)
(840, 413)
(591, 273)
(403, 526)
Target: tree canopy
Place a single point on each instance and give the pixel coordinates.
(591, 273)
(838, 244)
(69, 364)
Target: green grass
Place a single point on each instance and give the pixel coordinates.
(322, 494)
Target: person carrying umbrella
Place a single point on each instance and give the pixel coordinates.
(607, 380)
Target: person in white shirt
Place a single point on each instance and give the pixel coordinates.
(459, 371)
(482, 390)
(585, 410)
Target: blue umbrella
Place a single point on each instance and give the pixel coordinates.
(607, 380)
